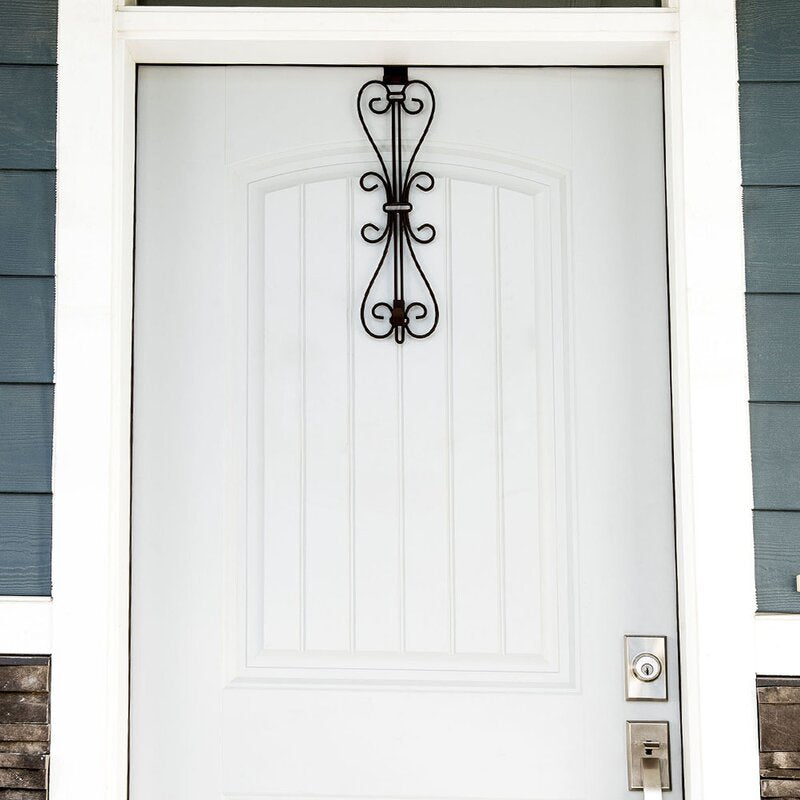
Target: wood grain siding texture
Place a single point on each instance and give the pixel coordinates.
(26, 329)
(27, 222)
(769, 73)
(27, 117)
(775, 442)
(24, 727)
(26, 437)
(777, 537)
(25, 530)
(28, 31)
(773, 334)
(770, 131)
(772, 238)
(769, 40)
(27, 301)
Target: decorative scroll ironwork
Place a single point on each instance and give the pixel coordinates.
(397, 96)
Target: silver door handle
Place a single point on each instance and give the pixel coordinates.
(648, 758)
(651, 778)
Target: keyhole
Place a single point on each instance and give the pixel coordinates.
(646, 667)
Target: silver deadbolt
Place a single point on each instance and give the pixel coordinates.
(646, 667)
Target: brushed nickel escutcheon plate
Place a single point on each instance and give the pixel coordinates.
(648, 749)
(646, 668)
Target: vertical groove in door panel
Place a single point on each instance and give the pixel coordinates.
(377, 601)
(303, 410)
(282, 415)
(352, 331)
(401, 502)
(499, 421)
(451, 535)
(426, 447)
(474, 424)
(327, 537)
(553, 352)
(520, 312)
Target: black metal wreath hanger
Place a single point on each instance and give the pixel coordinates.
(398, 97)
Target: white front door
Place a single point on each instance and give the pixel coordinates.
(370, 570)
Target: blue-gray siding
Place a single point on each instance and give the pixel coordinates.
(26, 329)
(773, 330)
(27, 291)
(772, 244)
(27, 117)
(27, 222)
(775, 434)
(28, 31)
(25, 531)
(770, 115)
(769, 73)
(769, 47)
(777, 557)
(26, 435)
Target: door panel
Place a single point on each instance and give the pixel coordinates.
(396, 496)
(370, 570)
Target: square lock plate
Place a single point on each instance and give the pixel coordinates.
(645, 667)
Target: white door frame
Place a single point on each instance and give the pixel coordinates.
(99, 48)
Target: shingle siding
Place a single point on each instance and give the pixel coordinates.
(27, 291)
(769, 74)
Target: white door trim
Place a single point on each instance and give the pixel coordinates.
(98, 51)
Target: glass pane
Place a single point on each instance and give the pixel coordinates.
(413, 3)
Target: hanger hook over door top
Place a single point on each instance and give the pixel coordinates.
(391, 100)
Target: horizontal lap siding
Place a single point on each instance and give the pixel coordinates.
(25, 530)
(28, 31)
(773, 331)
(772, 243)
(27, 291)
(26, 437)
(775, 438)
(27, 117)
(777, 559)
(769, 40)
(769, 72)
(26, 329)
(27, 222)
(770, 132)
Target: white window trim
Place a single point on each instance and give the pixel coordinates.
(98, 50)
